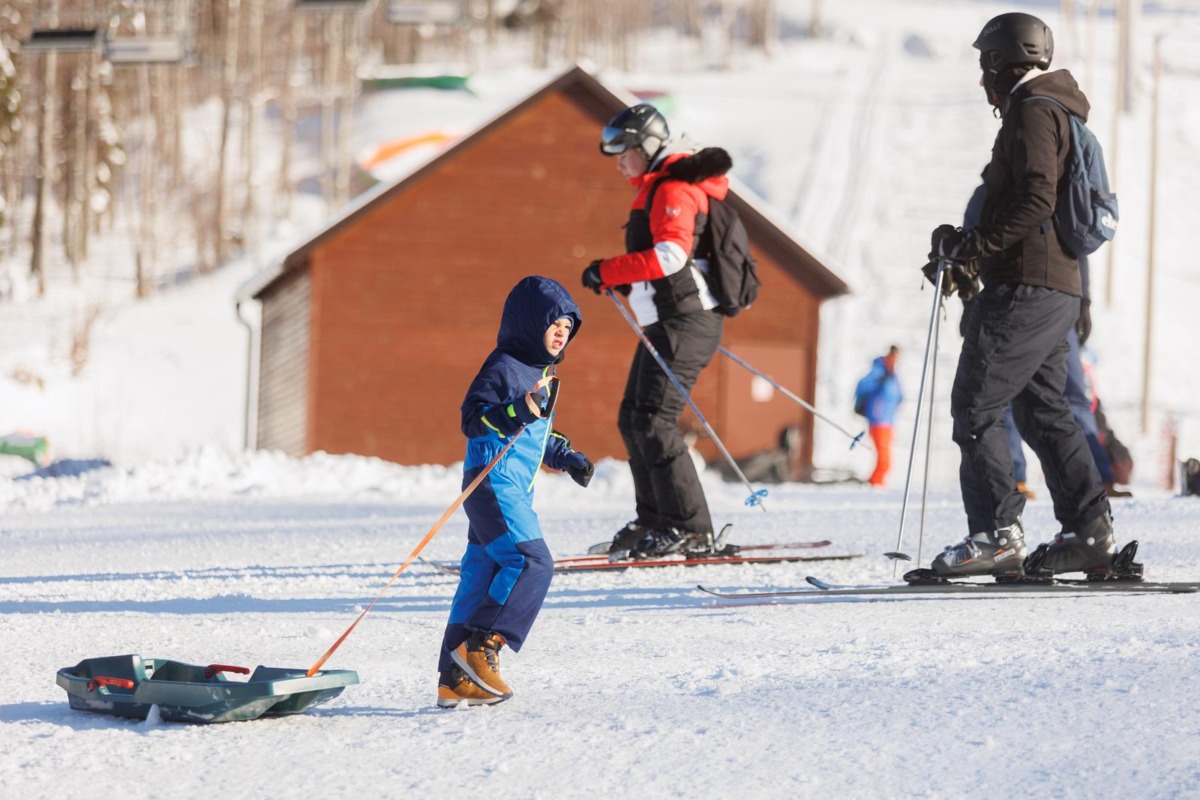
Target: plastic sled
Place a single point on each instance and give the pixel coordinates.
(127, 686)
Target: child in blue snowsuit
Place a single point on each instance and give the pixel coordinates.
(507, 567)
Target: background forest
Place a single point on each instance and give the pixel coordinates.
(143, 115)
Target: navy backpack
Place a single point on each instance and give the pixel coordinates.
(1085, 212)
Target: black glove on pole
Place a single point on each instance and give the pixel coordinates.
(591, 277)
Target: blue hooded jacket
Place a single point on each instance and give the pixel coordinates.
(878, 394)
(494, 410)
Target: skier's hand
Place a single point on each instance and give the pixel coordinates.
(930, 272)
(966, 281)
(956, 244)
(1083, 325)
(944, 240)
(591, 277)
(580, 468)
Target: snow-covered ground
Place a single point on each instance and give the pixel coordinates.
(631, 685)
(156, 534)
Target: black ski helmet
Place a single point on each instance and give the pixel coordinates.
(1020, 39)
(640, 128)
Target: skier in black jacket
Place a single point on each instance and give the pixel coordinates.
(1015, 343)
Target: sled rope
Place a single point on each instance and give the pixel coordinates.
(437, 526)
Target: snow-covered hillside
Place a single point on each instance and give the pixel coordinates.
(157, 534)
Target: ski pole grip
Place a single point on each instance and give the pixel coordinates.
(104, 680)
(214, 669)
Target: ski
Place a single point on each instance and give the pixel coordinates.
(741, 549)
(1060, 586)
(600, 550)
(604, 565)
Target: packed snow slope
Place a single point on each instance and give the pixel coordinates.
(631, 685)
(154, 533)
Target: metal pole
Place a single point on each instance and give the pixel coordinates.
(855, 439)
(937, 331)
(1147, 339)
(943, 265)
(756, 496)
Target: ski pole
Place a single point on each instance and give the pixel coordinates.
(437, 526)
(937, 331)
(756, 496)
(929, 340)
(855, 440)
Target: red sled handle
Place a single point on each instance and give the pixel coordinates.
(104, 680)
(213, 669)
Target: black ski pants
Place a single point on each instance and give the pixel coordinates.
(1015, 350)
(666, 486)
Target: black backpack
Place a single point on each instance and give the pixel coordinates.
(732, 272)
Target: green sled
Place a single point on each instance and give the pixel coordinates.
(128, 686)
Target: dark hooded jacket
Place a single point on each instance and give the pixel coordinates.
(494, 408)
(1026, 173)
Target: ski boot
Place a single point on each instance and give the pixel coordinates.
(706, 545)
(455, 686)
(658, 543)
(479, 658)
(1091, 549)
(998, 553)
(626, 540)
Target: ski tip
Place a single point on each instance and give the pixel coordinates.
(817, 582)
(897, 556)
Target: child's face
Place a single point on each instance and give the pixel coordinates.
(557, 335)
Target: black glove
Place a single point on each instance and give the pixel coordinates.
(1083, 325)
(958, 277)
(955, 244)
(944, 240)
(580, 468)
(966, 281)
(591, 277)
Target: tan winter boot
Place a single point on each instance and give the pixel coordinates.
(454, 687)
(479, 657)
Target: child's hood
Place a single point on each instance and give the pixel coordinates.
(532, 306)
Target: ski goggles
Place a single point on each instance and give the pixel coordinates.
(990, 60)
(613, 141)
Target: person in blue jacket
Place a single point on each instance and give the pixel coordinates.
(876, 397)
(507, 567)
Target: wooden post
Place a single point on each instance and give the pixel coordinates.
(44, 178)
(333, 58)
(351, 26)
(295, 41)
(1111, 160)
(1148, 339)
(229, 82)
